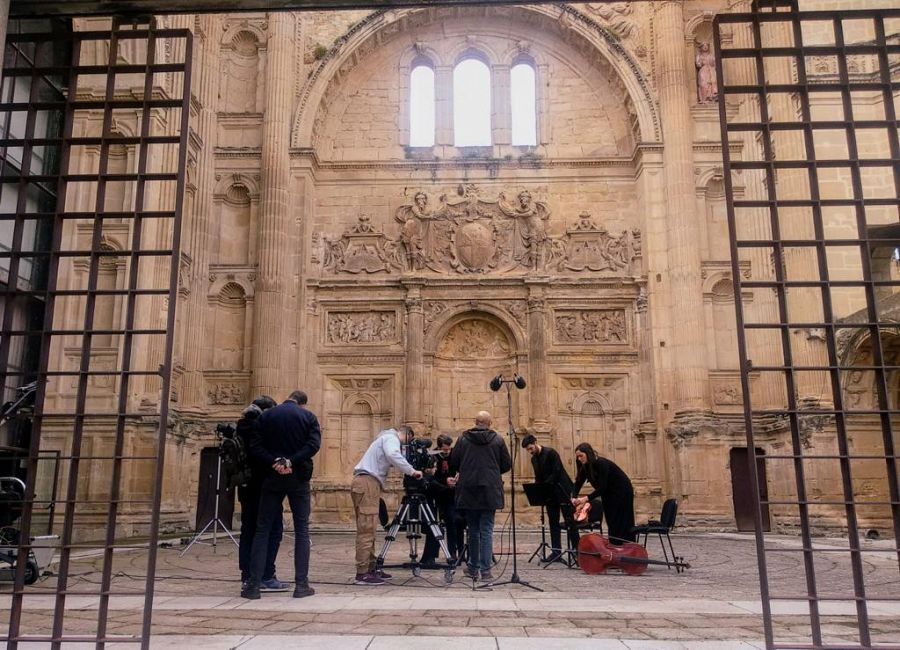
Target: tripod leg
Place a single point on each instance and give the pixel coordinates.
(391, 535)
(430, 520)
(197, 537)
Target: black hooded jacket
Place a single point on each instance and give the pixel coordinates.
(481, 458)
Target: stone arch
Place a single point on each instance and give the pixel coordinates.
(217, 287)
(519, 54)
(583, 400)
(223, 183)
(364, 36)
(233, 30)
(453, 316)
(473, 49)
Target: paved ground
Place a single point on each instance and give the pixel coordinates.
(713, 605)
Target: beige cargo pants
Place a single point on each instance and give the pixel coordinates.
(365, 491)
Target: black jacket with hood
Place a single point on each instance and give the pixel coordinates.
(480, 456)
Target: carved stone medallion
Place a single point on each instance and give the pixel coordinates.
(474, 246)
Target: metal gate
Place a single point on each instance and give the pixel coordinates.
(810, 99)
(116, 100)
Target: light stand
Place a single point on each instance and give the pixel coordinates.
(215, 521)
(519, 382)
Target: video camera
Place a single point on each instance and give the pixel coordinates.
(417, 454)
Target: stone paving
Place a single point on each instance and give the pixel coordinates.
(714, 604)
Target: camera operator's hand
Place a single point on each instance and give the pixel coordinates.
(417, 475)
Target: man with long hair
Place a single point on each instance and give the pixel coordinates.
(612, 486)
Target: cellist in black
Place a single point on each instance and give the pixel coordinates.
(612, 486)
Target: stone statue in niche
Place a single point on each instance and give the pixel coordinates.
(707, 83)
(591, 326)
(361, 327)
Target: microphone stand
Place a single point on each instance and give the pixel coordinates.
(514, 579)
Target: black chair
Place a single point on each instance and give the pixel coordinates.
(662, 527)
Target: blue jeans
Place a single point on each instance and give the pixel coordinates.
(481, 539)
(270, 508)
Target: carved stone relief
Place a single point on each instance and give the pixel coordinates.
(227, 393)
(727, 395)
(468, 234)
(362, 327)
(475, 339)
(590, 326)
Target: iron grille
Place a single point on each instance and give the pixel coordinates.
(810, 100)
(104, 278)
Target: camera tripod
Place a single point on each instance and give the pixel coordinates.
(215, 521)
(415, 512)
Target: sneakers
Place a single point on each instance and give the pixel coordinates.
(471, 573)
(368, 579)
(250, 592)
(302, 590)
(381, 574)
(487, 576)
(274, 584)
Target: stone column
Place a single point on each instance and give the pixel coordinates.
(197, 223)
(689, 374)
(273, 242)
(502, 106)
(537, 360)
(415, 342)
(443, 100)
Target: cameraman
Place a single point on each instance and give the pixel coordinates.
(442, 490)
(249, 493)
(369, 476)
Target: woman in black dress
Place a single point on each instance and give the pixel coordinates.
(612, 486)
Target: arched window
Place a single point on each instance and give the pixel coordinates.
(471, 104)
(522, 101)
(421, 107)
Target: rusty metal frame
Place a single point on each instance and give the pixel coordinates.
(148, 242)
(770, 130)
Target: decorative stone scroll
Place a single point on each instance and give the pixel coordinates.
(361, 327)
(590, 326)
(589, 247)
(362, 249)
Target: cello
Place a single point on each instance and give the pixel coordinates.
(596, 554)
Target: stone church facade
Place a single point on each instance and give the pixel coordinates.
(321, 251)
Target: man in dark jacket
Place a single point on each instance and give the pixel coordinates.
(442, 489)
(480, 457)
(289, 437)
(549, 470)
(249, 493)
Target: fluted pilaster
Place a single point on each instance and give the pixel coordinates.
(273, 242)
(537, 360)
(415, 341)
(197, 223)
(689, 373)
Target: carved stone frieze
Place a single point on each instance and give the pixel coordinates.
(727, 395)
(470, 234)
(475, 339)
(590, 326)
(518, 309)
(362, 383)
(361, 327)
(587, 383)
(227, 393)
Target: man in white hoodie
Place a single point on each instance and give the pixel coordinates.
(369, 476)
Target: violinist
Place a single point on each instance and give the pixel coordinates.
(612, 486)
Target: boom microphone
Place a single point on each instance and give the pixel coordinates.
(496, 382)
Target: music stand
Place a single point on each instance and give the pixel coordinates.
(540, 494)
